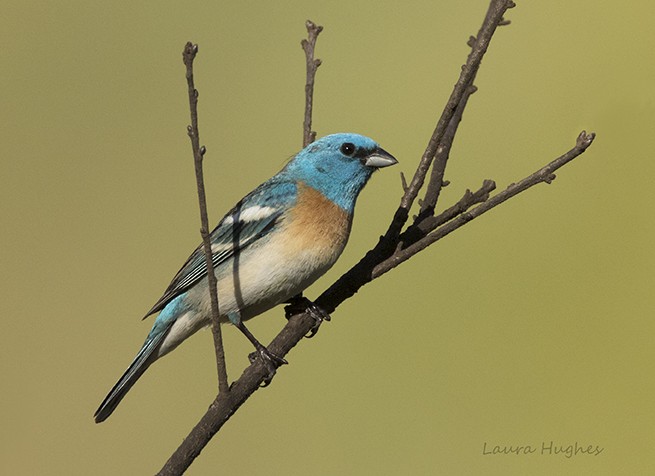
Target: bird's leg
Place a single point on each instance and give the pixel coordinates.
(300, 303)
(269, 359)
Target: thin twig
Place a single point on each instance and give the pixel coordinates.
(188, 55)
(308, 46)
(416, 232)
(441, 158)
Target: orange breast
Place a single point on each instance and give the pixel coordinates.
(317, 222)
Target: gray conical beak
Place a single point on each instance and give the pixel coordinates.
(380, 158)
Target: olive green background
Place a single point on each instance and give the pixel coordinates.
(532, 324)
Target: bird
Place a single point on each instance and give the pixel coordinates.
(274, 243)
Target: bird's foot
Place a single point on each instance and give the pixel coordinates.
(270, 361)
(299, 304)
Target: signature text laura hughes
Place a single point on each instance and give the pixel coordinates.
(546, 448)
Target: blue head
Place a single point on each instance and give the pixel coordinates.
(339, 165)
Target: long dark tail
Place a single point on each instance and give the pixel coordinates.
(146, 356)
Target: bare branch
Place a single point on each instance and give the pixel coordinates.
(362, 273)
(308, 46)
(444, 145)
(467, 201)
(545, 174)
(225, 405)
(188, 55)
(494, 16)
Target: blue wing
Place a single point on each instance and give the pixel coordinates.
(252, 218)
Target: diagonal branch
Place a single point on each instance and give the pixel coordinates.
(188, 55)
(493, 18)
(445, 144)
(545, 174)
(430, 223)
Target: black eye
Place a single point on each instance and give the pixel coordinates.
(347, 149)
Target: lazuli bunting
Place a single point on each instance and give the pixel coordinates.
(272, 245)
